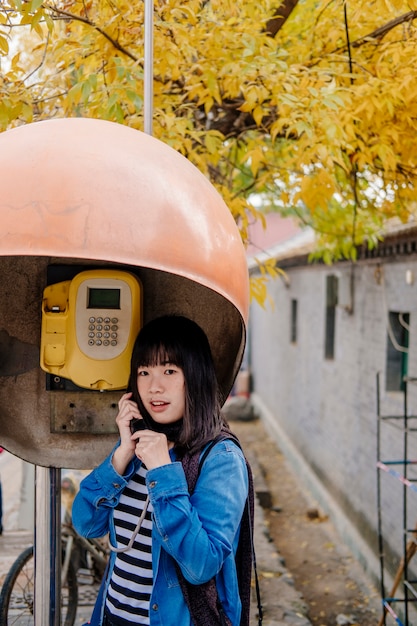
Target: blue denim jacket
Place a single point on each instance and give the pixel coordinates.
(200, 532)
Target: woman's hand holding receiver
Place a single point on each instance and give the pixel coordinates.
(128, 410)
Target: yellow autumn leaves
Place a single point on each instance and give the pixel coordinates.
(325, 131)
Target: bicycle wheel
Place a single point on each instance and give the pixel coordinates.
(17, 594)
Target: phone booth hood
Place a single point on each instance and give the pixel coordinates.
(82, 193)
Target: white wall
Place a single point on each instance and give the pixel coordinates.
(323, 413)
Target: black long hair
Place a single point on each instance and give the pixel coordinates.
(180, 341)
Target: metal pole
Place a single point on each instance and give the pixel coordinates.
(47, 609)
(405, 495)
(148, 70)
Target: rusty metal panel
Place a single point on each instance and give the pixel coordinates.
(73, 412)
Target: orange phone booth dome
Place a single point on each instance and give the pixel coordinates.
(81, 193)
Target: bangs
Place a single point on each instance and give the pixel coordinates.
(156, 354)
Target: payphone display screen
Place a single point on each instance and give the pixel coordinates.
(103, 298)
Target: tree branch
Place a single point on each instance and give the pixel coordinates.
(383, 30)
(283, 12)
(85, 20)
(41, 62)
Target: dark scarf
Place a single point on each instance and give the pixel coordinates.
(202, 600)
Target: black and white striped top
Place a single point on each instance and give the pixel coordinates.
(130, 587)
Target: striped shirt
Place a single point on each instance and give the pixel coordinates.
(130, 587)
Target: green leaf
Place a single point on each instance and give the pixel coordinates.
(35, 5)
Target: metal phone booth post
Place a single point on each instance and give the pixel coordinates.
(85, 194)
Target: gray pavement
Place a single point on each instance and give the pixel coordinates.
(283, 605)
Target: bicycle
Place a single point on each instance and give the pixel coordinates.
(80, 557)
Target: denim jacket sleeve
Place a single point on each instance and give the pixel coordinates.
(200, 531)
(98, 495)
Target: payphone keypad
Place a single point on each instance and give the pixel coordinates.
(103, 331)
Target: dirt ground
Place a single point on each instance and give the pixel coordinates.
(332, 583)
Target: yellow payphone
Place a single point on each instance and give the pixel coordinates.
(89, 325)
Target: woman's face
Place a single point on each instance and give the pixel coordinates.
(162, 390)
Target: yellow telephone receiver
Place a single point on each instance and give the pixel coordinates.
(89, 326)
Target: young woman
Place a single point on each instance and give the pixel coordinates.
(173, 525)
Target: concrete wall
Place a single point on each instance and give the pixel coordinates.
(323, 413)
